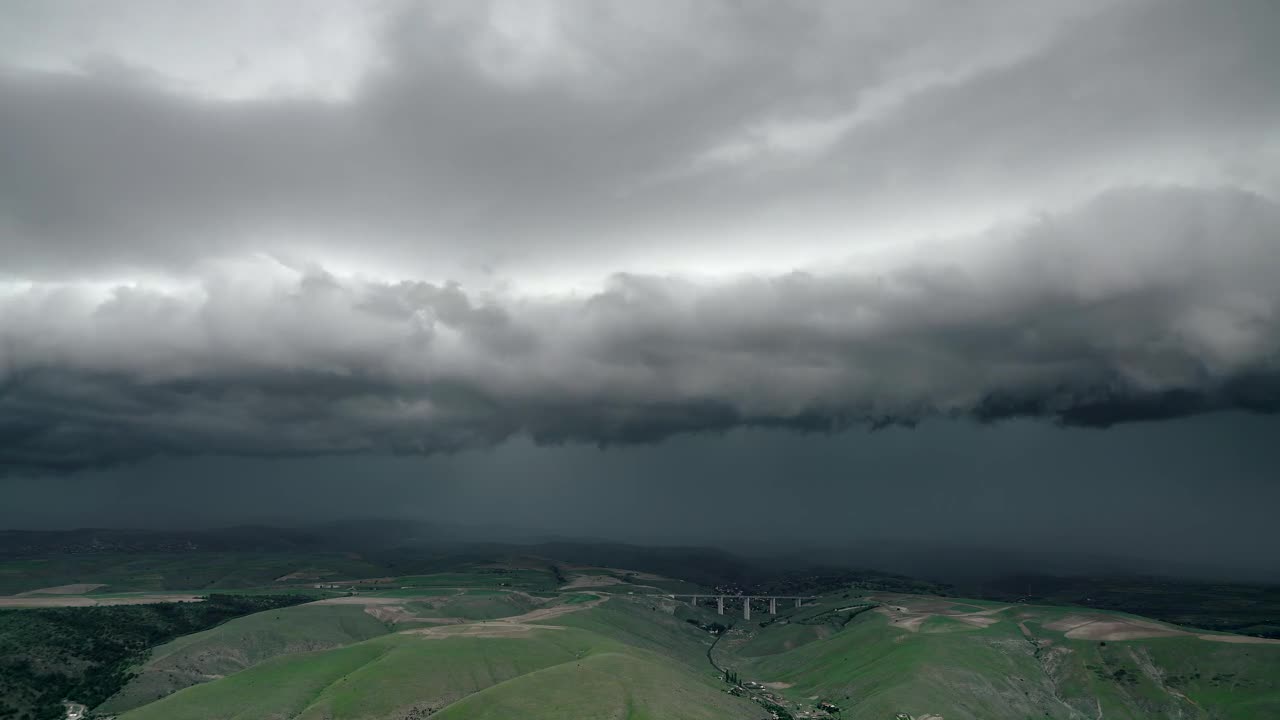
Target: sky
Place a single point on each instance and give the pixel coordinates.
(1004, 272)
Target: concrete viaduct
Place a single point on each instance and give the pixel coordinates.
(746, 601)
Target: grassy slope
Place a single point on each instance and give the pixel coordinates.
(409, 675)
(277, 688)
(631, 657)
(633, 685)
(882, 670)
(87, 654)
(241, 643)
(617, 657)
(875, 670)
(423, 674)
(248, 641)
(1242, 681)
(645, 625)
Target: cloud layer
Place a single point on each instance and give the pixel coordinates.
(1138, 305)
(610, 223)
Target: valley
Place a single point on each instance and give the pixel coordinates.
(508, 634)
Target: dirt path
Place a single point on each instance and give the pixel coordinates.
(582, 581)
(488, 628)
(369, 600)
(910, 613)
(398, 615)
(508, 627)
(1114, 627)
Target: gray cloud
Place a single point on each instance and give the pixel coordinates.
(582, 138)
(612, 222)
(1141, 304)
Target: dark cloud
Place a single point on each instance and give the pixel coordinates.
(604, 222)
(467, 147)
(1141, 305)
(1188, 496)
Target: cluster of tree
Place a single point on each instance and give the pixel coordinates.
(1247, 609)
(714, 628)
(819, 581)
(87, 654)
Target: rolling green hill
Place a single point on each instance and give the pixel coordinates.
(241, 643)
(527, 637)
(548, 672)
(50, 654)
(627, 684)
(929, 656)
(633, 656)
(336, 622)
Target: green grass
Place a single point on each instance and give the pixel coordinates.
(241, 643)
(635, 656)
(636, 623)
(281, 687)
(881, 670)
(86, 653)
(537, 675)
(957, 670)
(781, 638)
(248, 641)
(629, 685)
(1243, 681)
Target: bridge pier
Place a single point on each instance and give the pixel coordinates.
(746, 601)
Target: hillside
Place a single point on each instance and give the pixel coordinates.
(518, 635)
(50, 654)
(535, 665)
(627, 655)
(880, 655)
(241, 643)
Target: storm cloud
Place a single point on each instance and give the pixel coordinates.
(595, 222)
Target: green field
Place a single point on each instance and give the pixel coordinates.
(88, 653)
(553, 672)
(639, 657)
(243, 642)
(529, 638)
(947, 665)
